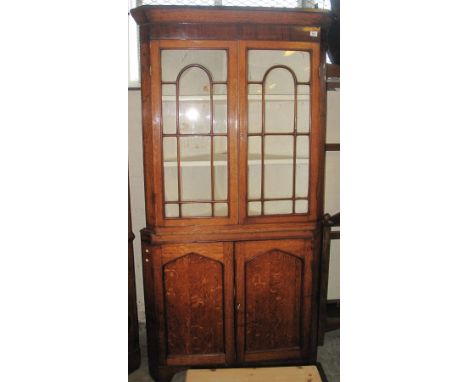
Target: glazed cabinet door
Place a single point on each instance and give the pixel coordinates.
(194, 92)
(194, 287)
(281, 145)
(273, 300)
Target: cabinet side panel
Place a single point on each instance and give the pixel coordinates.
(146, 103)
(193, 294)
(317, 143)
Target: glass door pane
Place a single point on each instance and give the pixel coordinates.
(194, 120)
(278, 132)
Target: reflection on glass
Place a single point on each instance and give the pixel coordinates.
(279, 102)
(220, 209)
(169, 109)
(220, 109)
(254, 208)
(302, 166)
(171, 210)
(255, 167)
(302, 207)
(278, 207)
(195, 177)
(261, 60)
(196, 209)
(220, 168)
(170, 169)
(194, 102)
(173, 61)
(303, 109)
(255, 108)
(278, 166)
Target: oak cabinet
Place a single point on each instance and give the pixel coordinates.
(233, 128)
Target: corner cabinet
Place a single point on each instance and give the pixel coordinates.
(233, 127)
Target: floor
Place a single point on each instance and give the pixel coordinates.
(328, 356)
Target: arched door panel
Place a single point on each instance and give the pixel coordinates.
(273, 299)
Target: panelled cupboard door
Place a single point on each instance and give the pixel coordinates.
(196, 297)
(273, 299)
(194, 108)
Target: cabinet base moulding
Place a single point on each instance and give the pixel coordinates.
(230, 233)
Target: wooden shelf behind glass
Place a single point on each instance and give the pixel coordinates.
(221, 160)
(251, 97)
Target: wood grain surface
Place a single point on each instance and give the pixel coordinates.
(196, 293)
(273, 292)
(273, 301)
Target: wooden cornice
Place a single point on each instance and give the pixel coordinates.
(151, 14)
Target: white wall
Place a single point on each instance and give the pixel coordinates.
(332, 188)
(135, 163)
(137, 193)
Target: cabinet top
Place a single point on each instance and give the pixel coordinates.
(153, 14)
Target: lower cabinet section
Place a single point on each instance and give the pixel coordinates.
(228, 304)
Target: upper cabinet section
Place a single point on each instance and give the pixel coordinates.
(232, 114)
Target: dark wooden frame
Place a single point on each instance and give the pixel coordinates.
(134, 356)
(234, 29)
(327, 235)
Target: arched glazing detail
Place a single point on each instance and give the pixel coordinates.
(278, 133)
(194, 125)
